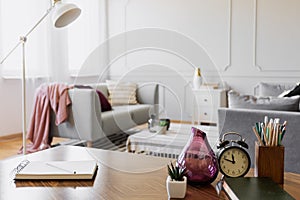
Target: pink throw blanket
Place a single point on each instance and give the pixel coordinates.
(53, 96)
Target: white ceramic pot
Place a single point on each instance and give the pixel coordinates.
(176, 189)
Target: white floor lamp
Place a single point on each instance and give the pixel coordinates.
(63, 14)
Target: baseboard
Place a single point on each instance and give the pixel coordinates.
(180, 122)
(11, 136)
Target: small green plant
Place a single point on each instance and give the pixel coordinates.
(176, 172)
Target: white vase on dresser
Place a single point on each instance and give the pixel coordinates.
(197, 80)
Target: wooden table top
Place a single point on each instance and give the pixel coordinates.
(120, 176)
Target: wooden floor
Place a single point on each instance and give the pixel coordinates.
(10, 145)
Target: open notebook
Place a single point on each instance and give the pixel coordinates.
(46, 170)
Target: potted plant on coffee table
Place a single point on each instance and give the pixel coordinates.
(176, 182)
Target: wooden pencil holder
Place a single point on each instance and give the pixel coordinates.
(269, 162)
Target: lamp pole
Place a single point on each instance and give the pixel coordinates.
(65, 10)
(22, 41)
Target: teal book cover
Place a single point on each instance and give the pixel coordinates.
(245, 188)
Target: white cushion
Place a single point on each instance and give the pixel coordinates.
(272, 89)
(121, 93)
(235, 100)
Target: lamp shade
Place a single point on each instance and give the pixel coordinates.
(64, 14)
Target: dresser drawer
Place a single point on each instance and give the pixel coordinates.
(206, 104)
(207, 114)
(208, 98)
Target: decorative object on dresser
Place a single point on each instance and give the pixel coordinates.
(197, 80)
(206, 104)
(63, 14)
(176, 182)
(199, 159)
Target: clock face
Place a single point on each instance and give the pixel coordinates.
(234, 162)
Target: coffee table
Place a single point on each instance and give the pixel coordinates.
(169, 144)
(120, 175)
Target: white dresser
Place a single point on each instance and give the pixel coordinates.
(206, 104)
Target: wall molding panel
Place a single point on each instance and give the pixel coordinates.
(266, 67)
(229, 53)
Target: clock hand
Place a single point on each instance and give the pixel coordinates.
(233, 161)
(229, 160)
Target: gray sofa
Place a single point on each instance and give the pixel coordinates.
(87, 122)
(241, 120)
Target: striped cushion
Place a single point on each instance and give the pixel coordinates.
(121, 93)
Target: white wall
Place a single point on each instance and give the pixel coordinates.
(247, 41)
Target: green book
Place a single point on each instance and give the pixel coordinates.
(253, 188)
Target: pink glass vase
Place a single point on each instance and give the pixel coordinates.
(199, 159)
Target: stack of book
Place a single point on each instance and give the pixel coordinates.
(254, 188)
